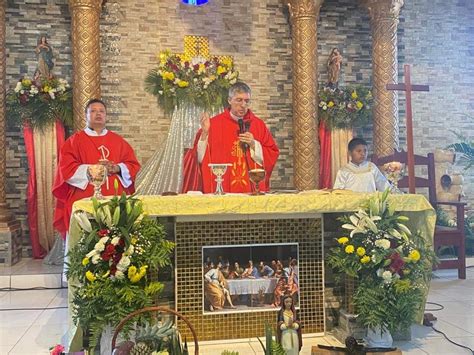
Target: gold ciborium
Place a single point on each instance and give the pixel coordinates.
(219, 170)
(257, 175)
(97, 174)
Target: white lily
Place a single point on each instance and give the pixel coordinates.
(83, 221)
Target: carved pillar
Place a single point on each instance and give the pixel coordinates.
(85, 55)
(303, 16)
(10, 231)
(384, 22)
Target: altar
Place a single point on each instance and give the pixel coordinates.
(282, 219)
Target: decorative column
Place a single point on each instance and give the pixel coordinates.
(10, 230)
(384, 22)
(85, 55)
(303, 16)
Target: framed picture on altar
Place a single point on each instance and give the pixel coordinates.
(249, 278)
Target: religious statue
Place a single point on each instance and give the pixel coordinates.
(334, 67)
(45, 59)
(289, 327)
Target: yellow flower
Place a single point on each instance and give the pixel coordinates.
(183, 84)
(167, 75)
(26, 82)
(349, 249)
(359, 105)
(227, 62)
(343, 240)
(133, 241)
(90, 276)
(360, 251)
(132, 270)
(365, 259)
(85, 261)
(402, 285)
(414, 255)
(46, 88)
(354, 94)
(202, 68)
(221, 69)
(137, 276)
(163, 56)
(330, 104)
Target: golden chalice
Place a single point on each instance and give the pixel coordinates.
(97, 174)
(257, 175)
(219, 170)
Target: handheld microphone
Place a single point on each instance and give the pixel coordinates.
(240, 121)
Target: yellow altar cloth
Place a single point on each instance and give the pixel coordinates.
(416, 207)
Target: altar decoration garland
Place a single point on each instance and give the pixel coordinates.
(391, 264)
(38, 103)
(180, 79)
(345, 108)
(111, 263)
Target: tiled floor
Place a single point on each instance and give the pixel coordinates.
(34, 331)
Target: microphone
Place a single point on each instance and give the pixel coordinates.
(240, 121)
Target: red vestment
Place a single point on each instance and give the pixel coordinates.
(80, 149)
(223, 146)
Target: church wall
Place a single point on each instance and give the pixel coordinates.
(26, 21)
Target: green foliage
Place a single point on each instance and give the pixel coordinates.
(391, 264)
(39, 103)
(271, 346)
(465, 148)
(345, 108)
(179, 79)
(110, 263)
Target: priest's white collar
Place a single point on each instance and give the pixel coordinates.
(92, 133)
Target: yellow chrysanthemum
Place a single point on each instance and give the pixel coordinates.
(414, 255)
(343, 240)
(227, 62)
(354, 95)
(85, 261)
(183, 84)
(26, 82)
(132, 270)
(90, 276)
(221, 69)
(360, 251)
(365, 259)
(330, 104)
(349, 249)
(133, 241)
(139, 275)
(359, 105)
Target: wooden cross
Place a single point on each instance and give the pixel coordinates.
(408, 88)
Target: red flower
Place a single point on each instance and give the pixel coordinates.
(23, 99)
(108, 252)
(103, 233)
(117, 258)
(196, 67)
(397, 263)
(57, 350)
(113, 270)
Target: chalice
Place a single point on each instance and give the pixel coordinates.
(394, 171)
(257, 175)
(97, 174)
(219, 170)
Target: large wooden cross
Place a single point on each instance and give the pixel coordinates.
(408, 87)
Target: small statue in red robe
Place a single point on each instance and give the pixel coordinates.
(93, 145)
(237, 137)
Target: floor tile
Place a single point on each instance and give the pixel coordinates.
(28, 299)
(18, 318)
(10, 335)
(28, 281)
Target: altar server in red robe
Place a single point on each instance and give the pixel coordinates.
(237, 137)
(93, 145)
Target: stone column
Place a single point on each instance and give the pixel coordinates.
(85, 37)
(304, 15)
(384, 22)
(10, 230)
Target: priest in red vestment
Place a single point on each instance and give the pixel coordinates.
(94, 145)
(237, 137)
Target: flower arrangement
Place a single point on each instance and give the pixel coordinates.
(111, 262)
(391, 264)
(58, 349)
(181, 79)
(40, 102)
(345, 108)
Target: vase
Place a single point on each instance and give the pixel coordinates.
(379, 338)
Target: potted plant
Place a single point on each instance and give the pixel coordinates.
(391, 264)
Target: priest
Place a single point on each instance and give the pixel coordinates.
(93, 145)
(236, 137)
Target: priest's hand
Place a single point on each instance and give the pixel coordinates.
(112, 168)
(247, 138)
(205, 125)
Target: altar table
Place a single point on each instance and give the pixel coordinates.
(283, 210)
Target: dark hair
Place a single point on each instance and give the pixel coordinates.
(239, 87)
(94, 101)
(355, 142)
